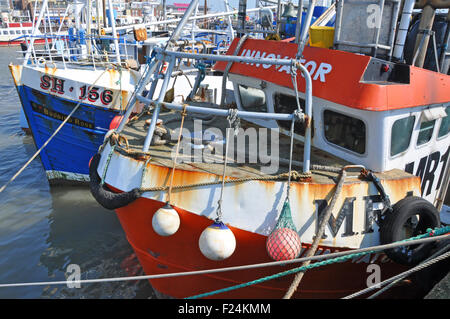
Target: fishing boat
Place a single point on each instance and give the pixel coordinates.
(83, 83)
(367, 133)
(72, 76)
(15, 31)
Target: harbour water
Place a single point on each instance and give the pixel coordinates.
(44, 229)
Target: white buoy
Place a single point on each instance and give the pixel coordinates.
(217, 242)
(166, 221)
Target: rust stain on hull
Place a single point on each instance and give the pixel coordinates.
(16, 72)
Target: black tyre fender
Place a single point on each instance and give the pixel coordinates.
(105, 196)
(392, 226)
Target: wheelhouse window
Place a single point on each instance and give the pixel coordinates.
(401, 134)
(252, 99)
(444, 129)
(286, 104)
(425, 132)
(345, 131)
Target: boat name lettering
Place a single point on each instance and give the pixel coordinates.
(317, 71)
(59, 116)
(373, 207)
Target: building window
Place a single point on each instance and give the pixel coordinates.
(286, 104)
(401, 134)
(445, 124)
(425, 132)
(252, 99)
(345, 131)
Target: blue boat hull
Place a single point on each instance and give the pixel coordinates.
(66, 157)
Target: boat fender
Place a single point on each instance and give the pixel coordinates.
(115, 122)
(103, 195)
(418, 215)
(283, 244)
(217, 241)
(166, 221)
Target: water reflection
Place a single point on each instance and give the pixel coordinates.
(82, 233)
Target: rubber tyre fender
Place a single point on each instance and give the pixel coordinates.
(104, 196)
(391, 229)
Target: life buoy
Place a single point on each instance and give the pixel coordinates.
(409, 217)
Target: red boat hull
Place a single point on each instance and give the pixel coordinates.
(180, 253)
(11, 43)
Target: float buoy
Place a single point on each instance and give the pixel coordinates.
(283, 244)
(409, 217)
(115, 122)
(166, 221)
(217, 242)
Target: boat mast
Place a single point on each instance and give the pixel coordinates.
(299, 21)
(88, 25)
(230, 24)
(241, 15)
(114, 32)
(304, 34)
(403, 29)
(35, 29)
(104, 13)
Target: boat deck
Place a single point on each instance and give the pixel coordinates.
(212, 162)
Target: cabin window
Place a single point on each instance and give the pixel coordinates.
(286, 104)
(252, 99)
(345, 131)
(17, 31)
(425, 132)
(445, 124)
(401, 134)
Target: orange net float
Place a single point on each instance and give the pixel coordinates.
(115, 122)
(284, 243)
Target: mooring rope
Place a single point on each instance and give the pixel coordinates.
(393, 282)
(435, 235)
(402, 275)
(312, 250)
(53, 135)
(315, 265)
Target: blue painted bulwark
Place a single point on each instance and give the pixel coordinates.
(67, 155)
